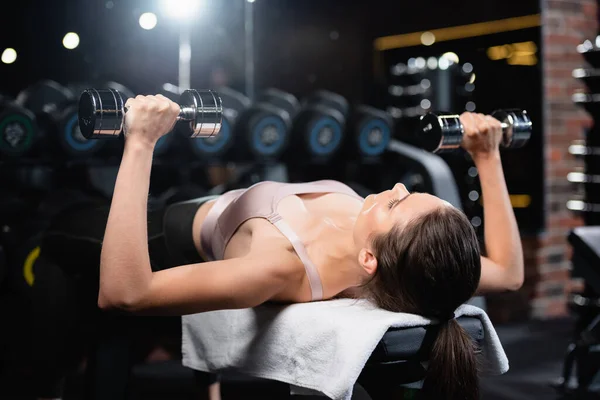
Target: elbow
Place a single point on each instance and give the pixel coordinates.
(514, 284)
(114, 301)
(515, 281)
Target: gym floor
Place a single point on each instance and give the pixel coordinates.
(535, 351)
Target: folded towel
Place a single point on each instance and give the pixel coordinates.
(320, 346)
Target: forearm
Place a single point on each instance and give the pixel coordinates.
(502, 238)
(125, 271)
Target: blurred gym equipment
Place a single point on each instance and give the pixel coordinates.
(218, 147)
(18, 129)
(263, 131)
(371, 132)
(320, 127)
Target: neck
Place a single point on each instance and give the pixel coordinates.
(341, 271)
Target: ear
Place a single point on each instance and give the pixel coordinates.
(367, 261)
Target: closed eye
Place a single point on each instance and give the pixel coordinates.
(394, 202)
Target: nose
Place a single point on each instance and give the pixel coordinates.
(401, 189)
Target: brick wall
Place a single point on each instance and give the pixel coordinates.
(565, 24)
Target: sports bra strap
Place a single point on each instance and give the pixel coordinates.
(314, 280)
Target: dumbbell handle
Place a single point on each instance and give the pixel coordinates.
(445, 132)
(101, 113)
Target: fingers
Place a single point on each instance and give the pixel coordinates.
(470, 124)
(479, 124)
(494, 123)
(156, 104)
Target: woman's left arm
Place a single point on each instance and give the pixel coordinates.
(125, 271)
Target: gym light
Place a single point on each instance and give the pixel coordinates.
(71, 40)
(427, 38)
(451, 56)
(444, 63)
(432, 63)
(181, 9)
(9, 56)
(148, 21)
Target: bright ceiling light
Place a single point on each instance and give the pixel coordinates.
(181, 9)
(148, 21)
(451, 56)
(71, 40)
(9, 56)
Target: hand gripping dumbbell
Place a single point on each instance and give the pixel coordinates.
(102, 111)
(442, 133)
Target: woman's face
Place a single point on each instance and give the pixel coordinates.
(382, 211)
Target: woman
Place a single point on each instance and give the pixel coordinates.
(407, 252)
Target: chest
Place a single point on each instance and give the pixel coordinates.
(310, 216)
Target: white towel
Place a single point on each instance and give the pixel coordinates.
(321, 346)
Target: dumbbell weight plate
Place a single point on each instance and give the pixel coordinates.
(281, 99)
(373, 131)
(589, 102)
(43, 95)
(516, 127)
(234, 100)
(17, 131)
(439, 133)
(325, 136)
(374, 137)
(583, 206)
(234, 104)
(590, 52)
(268, 133)
(582, 177)
(590, 77)
(318, 131)
(101, 113)
(330, 99)
(70, 137)
(580, 148)
(217, 145)
(202, 113)
(125, 91)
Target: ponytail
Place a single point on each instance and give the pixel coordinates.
(452, 370)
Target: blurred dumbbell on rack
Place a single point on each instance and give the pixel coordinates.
(370, 131)
(42, 123)
(262, 134)
(18, 129)
(55, 107)
(218, 149)
(319, 128)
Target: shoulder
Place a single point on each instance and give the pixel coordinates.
(277, 259)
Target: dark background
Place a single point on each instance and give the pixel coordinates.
(294, 50)
(300, 46)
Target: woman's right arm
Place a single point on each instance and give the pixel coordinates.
(228, 284)
(503, 268)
